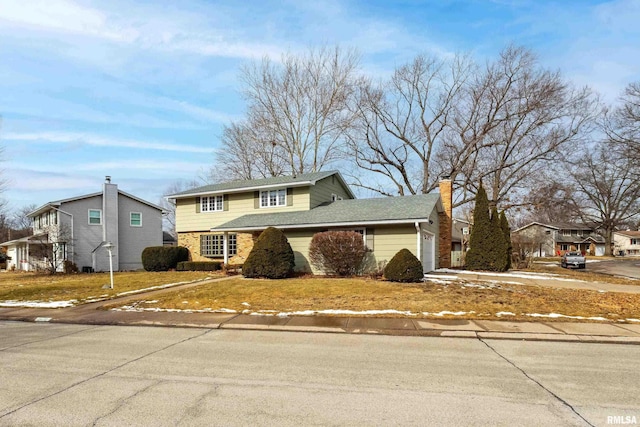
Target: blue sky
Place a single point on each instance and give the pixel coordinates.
(140, 90)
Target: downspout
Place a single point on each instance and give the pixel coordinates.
(73, 251)
(418, 240)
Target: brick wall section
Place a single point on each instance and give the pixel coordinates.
(445, 221)
(191, 241)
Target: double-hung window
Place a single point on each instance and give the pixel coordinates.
(273, 198)
(211, 204)
(135, 219)
(95, 217)
(212, 245)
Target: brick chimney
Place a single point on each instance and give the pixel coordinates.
(445, 220)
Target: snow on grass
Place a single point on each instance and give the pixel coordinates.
(505, 313)
(39, 304)
(138, 309)
(563, 316)
(519, 275)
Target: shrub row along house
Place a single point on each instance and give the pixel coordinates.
(76, 230)
(222, 221)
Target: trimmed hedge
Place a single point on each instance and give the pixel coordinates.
(404, 267)
(163, 258)
(199, 266)
(271, 256)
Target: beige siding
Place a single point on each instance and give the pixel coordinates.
(187, 219)
(388, 240)
(322, 191)
(299, 241)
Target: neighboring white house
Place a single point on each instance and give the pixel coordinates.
(626, 242)
(76, 229)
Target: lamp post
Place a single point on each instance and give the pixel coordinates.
(109, 246)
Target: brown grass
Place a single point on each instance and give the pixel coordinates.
(481, 300)
(20, 286)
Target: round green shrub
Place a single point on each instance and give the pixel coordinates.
(404, 267)
(163, 258)
(271, 256)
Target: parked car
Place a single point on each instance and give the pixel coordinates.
(573, 260)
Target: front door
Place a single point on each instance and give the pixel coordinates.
(428, 251)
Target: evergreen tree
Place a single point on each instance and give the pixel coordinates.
(504, 224)
(271, 256)
(476, 258)
(497, 245)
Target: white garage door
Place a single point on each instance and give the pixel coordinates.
(428, 251)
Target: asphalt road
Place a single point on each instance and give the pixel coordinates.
(54, 374)
(627, 267)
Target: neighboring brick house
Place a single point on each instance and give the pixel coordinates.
(222, 221)
(557, 238)
(78, 227)
(626, 242)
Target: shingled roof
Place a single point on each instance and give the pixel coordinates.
(390, 210)
(263, 183)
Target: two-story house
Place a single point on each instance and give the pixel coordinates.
(76, 229)
(222, 221)
(626, 242)
(558, 238)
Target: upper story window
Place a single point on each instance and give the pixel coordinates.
(566, 232)
(95, 217)
(211, 204)
(135, 219)
(273, 198)
(53, 218)
(45, 219)
(635, 241)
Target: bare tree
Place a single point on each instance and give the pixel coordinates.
(622, 124)
(503, 124)
(296, 110)
(49, 251)
(401, 124)
(515, 121)
(247, 152)
(169, 205)
(605, 191)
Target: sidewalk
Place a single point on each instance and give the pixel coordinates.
(478, 329)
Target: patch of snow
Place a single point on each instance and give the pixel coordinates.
(558, 316)
(439, 281)
(633, 320)
(171, 310)
(246, 304)
(518, 274)
(505, 313)
(439, 276)
(39, 304)
(444, 313)
(349, 312)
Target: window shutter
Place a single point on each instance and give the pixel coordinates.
(289, 196)
(197, 204)
(369, 238)
(225, 202)
(256, 199)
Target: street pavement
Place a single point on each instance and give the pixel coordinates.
(72, 375)
(624, 266)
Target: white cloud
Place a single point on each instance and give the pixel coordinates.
(96, 140)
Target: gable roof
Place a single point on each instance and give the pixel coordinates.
(628, 233)
(384, 210)
(57, 203)
(302, 180)
(558, 226)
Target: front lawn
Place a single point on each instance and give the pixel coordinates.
(456, 298)
(16, 287)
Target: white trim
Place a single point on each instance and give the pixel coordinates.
(130, 219)
(278, 204)
(89, 216)
(241, 190)
(225, 247)
(319, 225)
(419, 240)
(208, 204)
